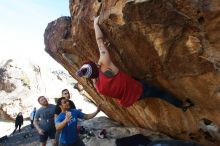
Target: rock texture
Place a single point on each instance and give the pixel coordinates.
(173, 43)
(27, 137)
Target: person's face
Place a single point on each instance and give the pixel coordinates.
(65, 104)
(66, 94)
(68, 104)
(43, 101)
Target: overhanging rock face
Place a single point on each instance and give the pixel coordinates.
(174, 44)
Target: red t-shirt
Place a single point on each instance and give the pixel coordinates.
(121, 86)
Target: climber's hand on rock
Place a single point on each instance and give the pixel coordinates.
(96, 20)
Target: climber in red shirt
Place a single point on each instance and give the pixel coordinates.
(110, 81)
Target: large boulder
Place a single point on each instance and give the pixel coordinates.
(174, 44)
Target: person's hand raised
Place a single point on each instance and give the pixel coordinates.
(68, 116)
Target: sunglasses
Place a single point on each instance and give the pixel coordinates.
(65, 101)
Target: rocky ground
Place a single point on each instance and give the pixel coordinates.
(27, 137)
(91, 134)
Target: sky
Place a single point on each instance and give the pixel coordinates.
(22, 26)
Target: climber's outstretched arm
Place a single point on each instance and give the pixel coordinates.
(103, 52)
(104, 59)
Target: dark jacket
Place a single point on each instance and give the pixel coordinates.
(19, 120)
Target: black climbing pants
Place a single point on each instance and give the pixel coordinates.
(155, 92)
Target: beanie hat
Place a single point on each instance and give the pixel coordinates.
(89, 70)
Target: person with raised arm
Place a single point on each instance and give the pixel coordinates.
(66, 123)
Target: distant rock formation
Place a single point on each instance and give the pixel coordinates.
(174, 44)
(4, 116)
(21, 82)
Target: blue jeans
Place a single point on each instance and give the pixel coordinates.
(153, 91)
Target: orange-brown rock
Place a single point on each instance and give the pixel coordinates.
(173, 43)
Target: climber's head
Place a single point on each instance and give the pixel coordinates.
(89, 69)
